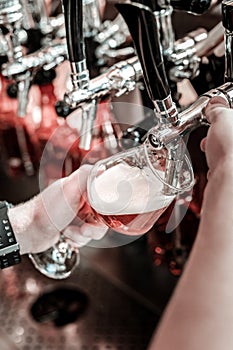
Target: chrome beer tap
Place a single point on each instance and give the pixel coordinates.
(21, 66)
(44, 42)
(172, 129)
(11, 18)
(113, 42)
(115, 81)
(35, 15)
(194, 116)
(92, 21)
(108, 38)
(16, 21)
(185, 60)
(73, 12)
(40, 25)
(181, 58)
(145, 34)
(107, 41)
(47, 57)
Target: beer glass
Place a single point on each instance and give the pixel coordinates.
(129, 192)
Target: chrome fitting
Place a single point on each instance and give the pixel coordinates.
(166, 111)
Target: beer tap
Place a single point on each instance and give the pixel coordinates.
(115, 81)
(40, 16)
(173, 127)
(43, 47)
(11, 19)
(92, 21)
(20, 66)
(107, 41)
(34, 14)
(113, 42)
(36, 19)
(145, 34)
(19, 20)
(73, 12)
(193, 116)
(182, 57)
(47, 57)
(184, 60)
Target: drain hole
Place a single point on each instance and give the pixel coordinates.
(60, 306)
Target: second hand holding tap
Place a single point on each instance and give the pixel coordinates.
(169, 135)
(194, 116)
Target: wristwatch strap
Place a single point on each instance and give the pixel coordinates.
(9, 248)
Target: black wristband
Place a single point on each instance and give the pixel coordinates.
(9, 248)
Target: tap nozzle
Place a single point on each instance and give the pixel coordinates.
(189, 119)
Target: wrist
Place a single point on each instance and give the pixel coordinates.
(32, 226)
(21, 217)
(9, 246)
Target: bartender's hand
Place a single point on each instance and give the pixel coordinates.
(218, 145)
(37, 223)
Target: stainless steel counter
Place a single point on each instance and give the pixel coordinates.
(125, 296)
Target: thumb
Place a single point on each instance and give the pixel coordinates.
(61, 200)
(76, 184)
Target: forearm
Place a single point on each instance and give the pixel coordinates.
(31, 226)
(37, 223)
(199, 315)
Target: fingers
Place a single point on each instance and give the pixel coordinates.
(75, 186)
(62, 200)
(203, 144)
(219, 51)
(208, 174)
(84, 234)
(215, 107)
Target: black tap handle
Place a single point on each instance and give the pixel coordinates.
(73, 15)
(197, 7)
(227, 14)
(62, 109)
(227, 21)
(144, 32)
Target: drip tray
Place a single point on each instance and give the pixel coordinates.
(87, 311)
(60, 306)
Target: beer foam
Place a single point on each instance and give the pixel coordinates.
(123, 189)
